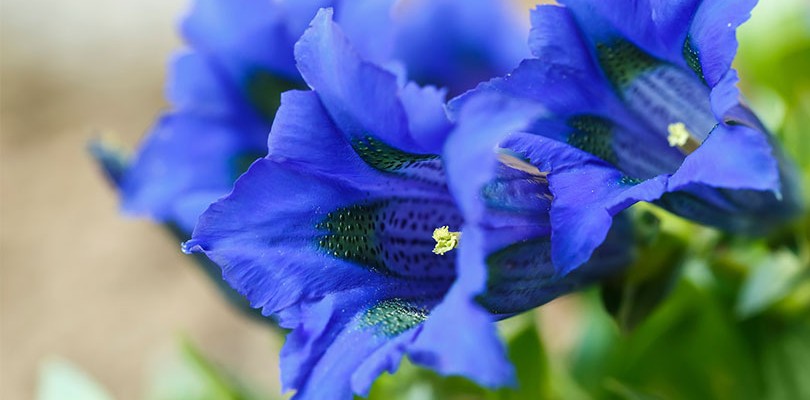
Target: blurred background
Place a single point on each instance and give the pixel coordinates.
(79, 281)
(115, 296)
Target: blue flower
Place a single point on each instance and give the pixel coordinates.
(332, 231)
(225, 91)
(640, 97)
(457, 44)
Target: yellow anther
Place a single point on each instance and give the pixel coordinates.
(445, 240)
(678, 134)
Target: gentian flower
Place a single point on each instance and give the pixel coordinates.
(225, 90)
(641, 97)
(457, 44)
(332, 231)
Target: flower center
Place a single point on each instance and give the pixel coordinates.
(666, 99)
(680, 137)
(445, 240)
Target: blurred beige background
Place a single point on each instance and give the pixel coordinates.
(79, 281)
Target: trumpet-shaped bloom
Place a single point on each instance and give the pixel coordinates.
(645, 91)
(224, 93)
(226, 89)
(333, 231)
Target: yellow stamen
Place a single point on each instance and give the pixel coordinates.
(678, 134)
(445, 240)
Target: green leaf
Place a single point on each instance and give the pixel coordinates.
(632, 297)
(773, 68)
(598, 341)
(770, 281)
(528, 355)
(187, 374)
(623, 391)
(219, 383)
(62, 380)
(784, 354)
(691, 347)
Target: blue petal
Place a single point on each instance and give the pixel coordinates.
(279, 245)
(186, 208)
(713, 35)
(604, 21)
(195, 85)
(368, 25)
(624, 119)
(563, 90)
(198, 85)
(737, 180)
(587, 114)
(504, 267)
(672, 20)
(361, 98)
(276, 238)
(186, 156)
(460, 324)
(345, 341)
(281, 271)
(510, 205)
(299, 13)
(586, 191)
(659, 27)
(303, 132)
(218, 127)
(733, 157)
(240, 34)
(427, 119)
(522, 275)
(556, 38)
(725, 98)
(587, 194)
(442, 43)
(471, 164)
(247, 46)
(484, 121)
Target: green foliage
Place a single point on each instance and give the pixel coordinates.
(782, 351)
(774, 60)
(633, 296)
(528, 354)
(61, 380)
(191, 375)
(772, 279)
